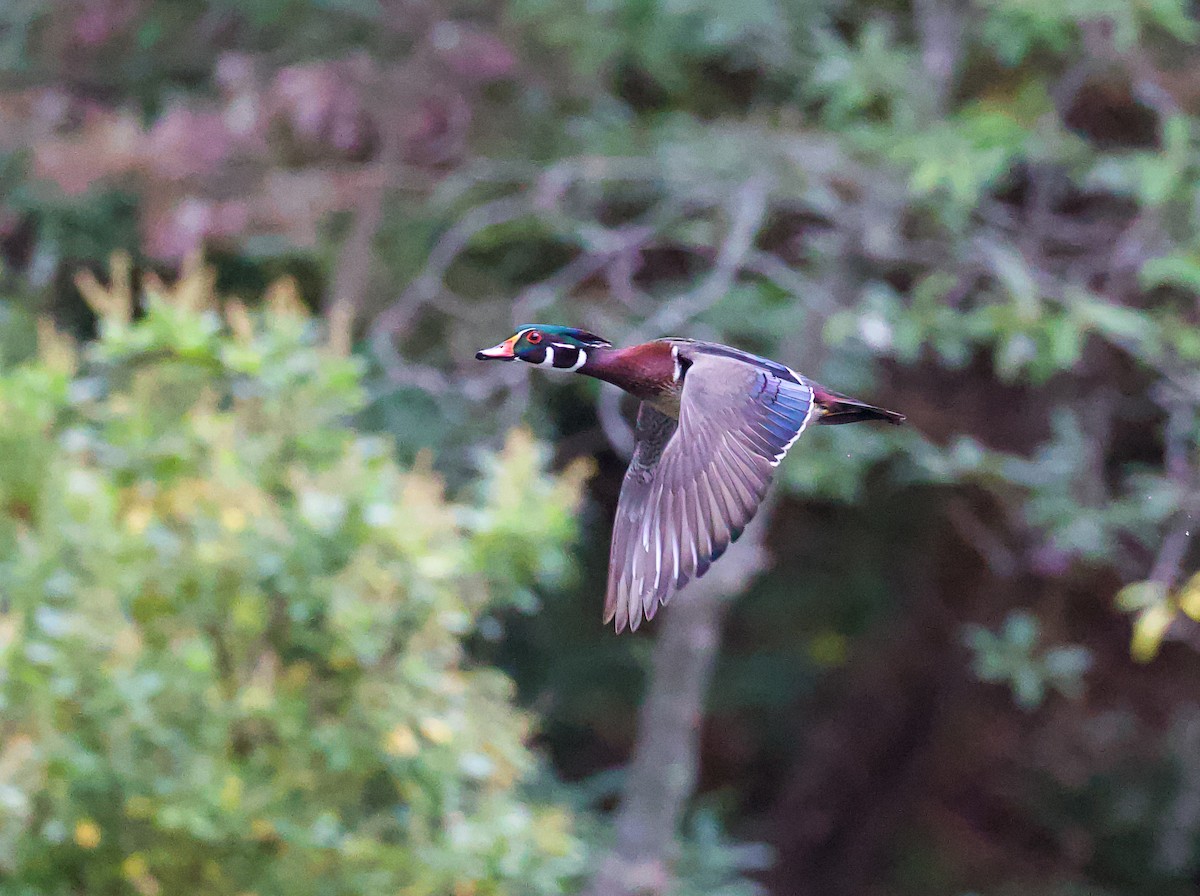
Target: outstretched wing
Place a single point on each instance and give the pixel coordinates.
(692, 486)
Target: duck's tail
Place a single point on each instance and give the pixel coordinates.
(834, 408)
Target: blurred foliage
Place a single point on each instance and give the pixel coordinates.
(231, 644)
(981, 213)
(1013, 656)
(710, 865)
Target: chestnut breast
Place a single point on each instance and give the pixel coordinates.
(645, 371)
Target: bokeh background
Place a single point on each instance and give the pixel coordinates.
(297, 598)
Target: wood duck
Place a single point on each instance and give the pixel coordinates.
(713, 424)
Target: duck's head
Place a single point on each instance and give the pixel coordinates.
(563, 348)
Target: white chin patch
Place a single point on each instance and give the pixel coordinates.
(547, 361)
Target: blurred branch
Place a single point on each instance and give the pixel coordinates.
(546, 194)
(397, 317)
(614, 245)
(351, 280)
(940, 28)
(983, 538)
(344, 303)
(1169, 562)
(564, 173)
(662, 773)
(748, 208)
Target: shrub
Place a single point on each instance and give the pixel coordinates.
(231, 636)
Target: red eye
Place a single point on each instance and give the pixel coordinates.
(534, 337)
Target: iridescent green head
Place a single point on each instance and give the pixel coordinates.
(563, 348)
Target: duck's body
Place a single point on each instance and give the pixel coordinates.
(714, 423)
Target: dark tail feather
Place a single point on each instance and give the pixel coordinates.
(834, 408)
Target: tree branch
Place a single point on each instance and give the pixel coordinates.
(352, 276)
(748, 208)
(1168, 564)
(940, 29)
(396, 317)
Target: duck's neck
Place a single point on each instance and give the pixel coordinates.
(644, 371)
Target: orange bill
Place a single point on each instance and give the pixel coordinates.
(502, 352)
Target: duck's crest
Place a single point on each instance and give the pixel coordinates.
(583, 337)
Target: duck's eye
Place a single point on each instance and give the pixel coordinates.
(534, 338)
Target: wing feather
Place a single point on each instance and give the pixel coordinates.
(695, 483)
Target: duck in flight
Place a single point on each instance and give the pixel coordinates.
(713, 424)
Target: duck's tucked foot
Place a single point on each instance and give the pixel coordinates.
(834, 408)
